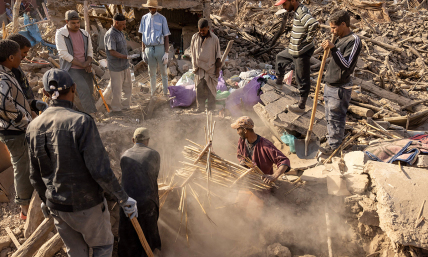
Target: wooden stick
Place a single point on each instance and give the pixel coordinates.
(35, 23)
(40, 15)
(37, 239)
(422, 208)
(46, 11)
(240, 177)
(12, 236)
(86, 15)
(343, 143)
(226, 52)
(188, 179)
(327, 221)
(142, 238)
(203, 152)
(16, 7)
(54, 62)
(108, 11)
(381, 131)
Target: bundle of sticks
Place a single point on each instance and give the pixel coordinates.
(223, 172)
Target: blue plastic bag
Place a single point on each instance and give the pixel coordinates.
(289, 140)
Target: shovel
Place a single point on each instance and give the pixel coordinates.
(304, 148)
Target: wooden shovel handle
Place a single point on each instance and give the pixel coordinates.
(143, 240)
(317, 89)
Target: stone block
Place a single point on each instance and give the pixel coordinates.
(5, 241)
(422, 161)
(355, 162)
(357, 183)
(400, 194)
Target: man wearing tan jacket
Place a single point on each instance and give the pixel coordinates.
(206, 59)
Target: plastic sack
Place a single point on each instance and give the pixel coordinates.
(221, 85)
(288, 77)
(249, 95)
(221, 95)
(184, 95)
(289, 140)
(187, 79)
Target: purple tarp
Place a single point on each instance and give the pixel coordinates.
(249, 96)
(184, 95)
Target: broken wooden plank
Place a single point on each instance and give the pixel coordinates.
(12, 236)
(361, 111)
(51, 247)
(37, 239)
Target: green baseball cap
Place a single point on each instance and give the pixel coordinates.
(141, 134)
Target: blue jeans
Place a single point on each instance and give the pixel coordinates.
(154, 55)
(336, 105)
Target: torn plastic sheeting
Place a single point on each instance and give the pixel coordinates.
(32, 33)
(185, 96)
(249, 94)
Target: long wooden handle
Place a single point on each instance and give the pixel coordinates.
(142, 237)
(317, 89)
(101, 93)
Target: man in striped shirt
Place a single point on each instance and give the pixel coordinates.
(299, 51)
(337, 93)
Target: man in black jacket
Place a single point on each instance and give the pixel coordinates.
(337, 92)
(140, 169)
(70, 169)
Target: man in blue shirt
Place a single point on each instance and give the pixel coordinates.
(155, 37)
(9, 13)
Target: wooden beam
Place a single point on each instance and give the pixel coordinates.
(51, 247)
(86, 15)
(119, 8)
(12, 236)
(108, 10)
(16, 16)
(226, 52)
(46, 11)
(37, 239)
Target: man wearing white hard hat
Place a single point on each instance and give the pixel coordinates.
(155, 37)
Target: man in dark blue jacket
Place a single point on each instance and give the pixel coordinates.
(140, 169)
(70, 169)
(337, 92)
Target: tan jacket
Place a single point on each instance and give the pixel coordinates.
(204, 56)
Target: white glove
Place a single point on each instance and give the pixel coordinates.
(45, 210)
(133, 56)
(165, 58)
(130, 208)
(144, 56)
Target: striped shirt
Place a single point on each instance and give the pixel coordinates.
(304, 28)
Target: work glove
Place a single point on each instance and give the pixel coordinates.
(144, 56)
(130, 208)
(165, 58)
(45, 210)
(130, 57)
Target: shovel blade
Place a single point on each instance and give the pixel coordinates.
(313, 147)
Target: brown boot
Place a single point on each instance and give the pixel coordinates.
(298, 107)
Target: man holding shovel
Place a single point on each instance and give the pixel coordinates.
(337, 93)
(140, 169)
(299, 51)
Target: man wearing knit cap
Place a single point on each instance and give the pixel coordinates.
(70, 171)
(118, 65)
(140, 169)
(75, 56)
(260, 150)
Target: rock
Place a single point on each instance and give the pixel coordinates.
(400, 194)
(5, 241)
(182, 63)
(278, 250)
(22, 240)
(355, 161)
(5, 252)
(16, 231)
(357, 184)
(369, 214)
(172, 70)
(316, 179)
(422, 161)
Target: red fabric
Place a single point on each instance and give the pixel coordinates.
(265, 155)
(421, 138)
(78, 47)
(280, 2)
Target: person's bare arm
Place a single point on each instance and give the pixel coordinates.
(166, 42)
(78, 63)
(118, 55)
(88, 64)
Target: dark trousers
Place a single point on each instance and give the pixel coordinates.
(302, 69)
(202, 94)
(336, 105)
